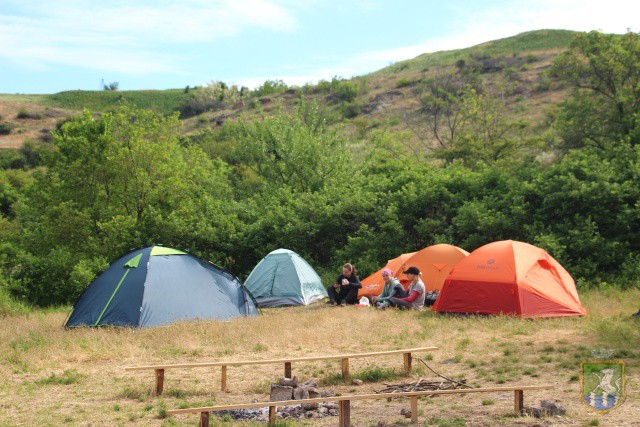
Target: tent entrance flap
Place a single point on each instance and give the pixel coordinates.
(114, 293)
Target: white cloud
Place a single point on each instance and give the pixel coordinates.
(126, 36)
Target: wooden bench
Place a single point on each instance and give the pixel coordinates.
(159, 369)
(344, 402)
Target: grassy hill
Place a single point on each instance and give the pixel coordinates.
(543, 41)
(382, 96)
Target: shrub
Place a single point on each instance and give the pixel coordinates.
(350, 110)
(323, 86)
(345, 91)
(270, 87)
(6, 128)
(24, 114)
(404, 82)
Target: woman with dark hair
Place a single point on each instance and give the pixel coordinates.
(345, 289)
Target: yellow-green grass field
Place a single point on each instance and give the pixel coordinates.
(53, 376)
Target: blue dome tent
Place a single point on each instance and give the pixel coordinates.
(157, 286)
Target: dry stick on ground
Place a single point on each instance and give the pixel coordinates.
(422, 385)
(440, 375)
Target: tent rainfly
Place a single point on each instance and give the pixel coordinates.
(434, 262)
(284, 278)
(159, 285)
(512, 278)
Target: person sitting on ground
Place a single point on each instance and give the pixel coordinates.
(345, 289)
(392, 288)
(416, 290)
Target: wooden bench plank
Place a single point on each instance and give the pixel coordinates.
(287, 360)
(358, 397)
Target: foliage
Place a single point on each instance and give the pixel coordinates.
(111, 86)
(215, 96)
(344, 90)
(291, 179)
(295, 150)
(24, 114)
(604, 70)
(458, 120)
(110, 184)
(6, 128)
(270, 87)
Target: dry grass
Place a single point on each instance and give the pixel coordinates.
(51, 376)
(27, 128)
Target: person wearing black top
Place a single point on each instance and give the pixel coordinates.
(345, 289)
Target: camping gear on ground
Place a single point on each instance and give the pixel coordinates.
(159, 285)
(435, 262)
(363, 302)
(513, 278)
(431, 298)
(284, 278)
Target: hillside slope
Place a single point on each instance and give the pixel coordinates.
(382, 97)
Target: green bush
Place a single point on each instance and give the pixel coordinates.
(350, 110)
(24, 114)
(344, 90)
(404, 82)
(270, 87)
(6, 128)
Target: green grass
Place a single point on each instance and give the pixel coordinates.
(9, 306)
(376, 374)
(162, 101)
(524, 42)
(446, 422)
(69, 376)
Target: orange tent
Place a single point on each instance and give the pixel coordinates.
(373, 284)
(434, 262)
(510, 277)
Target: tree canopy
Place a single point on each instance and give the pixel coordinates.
(129, 178)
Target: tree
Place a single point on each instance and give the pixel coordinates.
(111, 86)
(113, 183)
(604, 108)
(457, 120)
(297, 149)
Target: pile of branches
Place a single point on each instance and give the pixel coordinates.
(444, 383)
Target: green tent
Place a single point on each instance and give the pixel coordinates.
(284, 278)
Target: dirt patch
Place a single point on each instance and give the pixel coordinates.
(35, 122)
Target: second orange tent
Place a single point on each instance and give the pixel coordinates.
(435, 262)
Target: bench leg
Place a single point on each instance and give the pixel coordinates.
(223, 380)
(272, 415)
(287, 370)
(407, 364)
(159, 381)
(204, 419)
(414, 409)
(344, 410)
(345, 369)
(518, 401)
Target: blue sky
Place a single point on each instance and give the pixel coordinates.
(51, 46)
